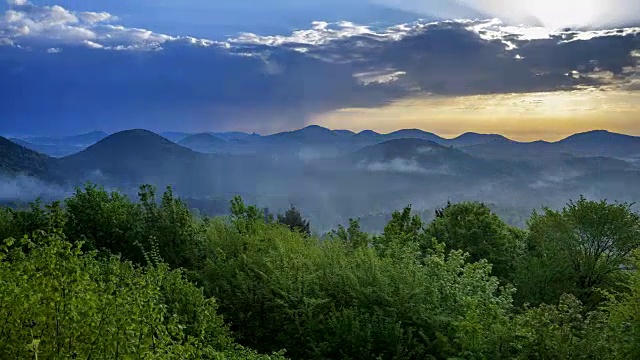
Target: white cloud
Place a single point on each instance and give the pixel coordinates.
(48, 23)
(412, 64)
(394, 166)
(322, 33)
(25, 23)
(554, 14)
(119, 37)
(443, 57)
(496, 30)
(92, 44)
(588, 35)
(403, 166)
(53, 26)
(379, 76)
(54, 50)
(21, 187)
(95, 17)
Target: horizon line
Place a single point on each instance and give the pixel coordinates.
(190, 133)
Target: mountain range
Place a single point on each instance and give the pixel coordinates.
(60, 146)
(334, 175)
(593, 143)
(495, 146)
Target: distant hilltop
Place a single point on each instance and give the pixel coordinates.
(592, 143)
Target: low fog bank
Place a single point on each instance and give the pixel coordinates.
(23, 189)
(399, 165)
(330, 188)
(331, 191)
(330, 198)
(329, 194)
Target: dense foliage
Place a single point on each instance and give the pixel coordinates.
(473, 228)
(579, 250)
(58, 302)
(293, 219)
(102, 276)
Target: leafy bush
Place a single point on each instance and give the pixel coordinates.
(293, 219)
(624, 310)
(281, 290)
(473, 228)
(563, 331)
(578, 251)
(101, 276)
(58, 302)
(105, 221)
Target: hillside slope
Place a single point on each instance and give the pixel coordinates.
(18, 160)
(203, 142)
(133, 155)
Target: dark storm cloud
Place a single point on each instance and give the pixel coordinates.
(67, 71)
(478, 57)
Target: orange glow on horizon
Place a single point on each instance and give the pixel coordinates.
(524, 117)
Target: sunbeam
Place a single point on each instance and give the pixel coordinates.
(554, 14)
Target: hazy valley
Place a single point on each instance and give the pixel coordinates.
(180, 180)
(331, 175)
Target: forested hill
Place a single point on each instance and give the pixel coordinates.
(16, 159)
(331, 175)
(102, 276)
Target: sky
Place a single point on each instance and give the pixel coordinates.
(530, 70)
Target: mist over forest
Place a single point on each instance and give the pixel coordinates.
(320, 179)
(331, 176)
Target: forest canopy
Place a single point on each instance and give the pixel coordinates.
(100, 275)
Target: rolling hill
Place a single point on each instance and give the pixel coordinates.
(471, 138)
(328, 172)
(601, 143)
(417, 156)
(18, 160)
(204, 142)
(590, 144)
(311, 142)
(133, 155)
(414, 134)
(60, 146)
(233, 135)
(310, 135)
(368, 135)
(319, 141)
(346, 133)
(371, 137)
(175, 136)
(509, 149)
(73, 140)
(48, 149)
